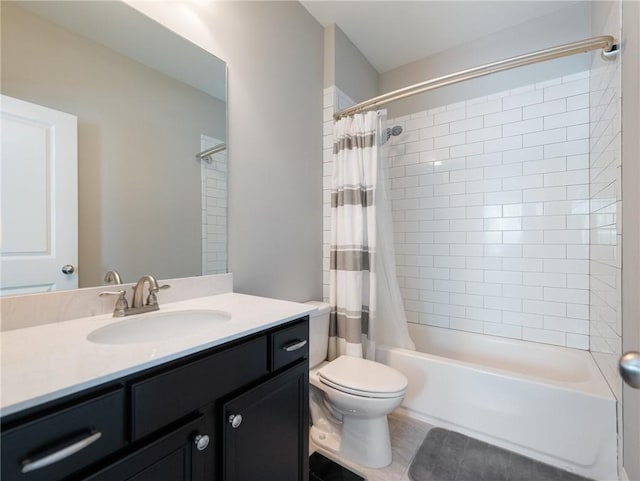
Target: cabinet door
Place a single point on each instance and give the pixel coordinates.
(270, 441)
(173, 457)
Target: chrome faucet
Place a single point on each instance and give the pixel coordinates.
(121, 308)
(112, 276)
(138, 292)
(138, 305)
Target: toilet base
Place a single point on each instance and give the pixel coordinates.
(328, 441)
(364, 441)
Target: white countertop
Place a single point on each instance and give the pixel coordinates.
(46, 362)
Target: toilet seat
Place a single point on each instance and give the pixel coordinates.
(364, 378)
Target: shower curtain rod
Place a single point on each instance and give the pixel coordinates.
(605, 42)
(206, 153)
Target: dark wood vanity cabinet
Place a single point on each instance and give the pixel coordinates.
(237, 412)
(171, 457)
(266, 429)
(93, 426)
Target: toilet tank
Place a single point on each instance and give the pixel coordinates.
(318, 333)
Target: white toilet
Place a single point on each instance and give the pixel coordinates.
(350, 399)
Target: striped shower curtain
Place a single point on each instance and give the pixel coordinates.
(352, 291)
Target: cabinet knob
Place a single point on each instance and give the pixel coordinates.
(235, 420)
(201, 441)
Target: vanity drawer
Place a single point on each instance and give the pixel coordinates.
(77, 436)
(289, 345)
(166, 397)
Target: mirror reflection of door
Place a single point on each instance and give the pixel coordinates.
(39, 199)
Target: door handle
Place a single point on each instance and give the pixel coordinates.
(629, 367)
(68, 269)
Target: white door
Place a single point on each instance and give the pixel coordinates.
(38, 198)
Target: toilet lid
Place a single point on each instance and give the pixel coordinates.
(363, 378)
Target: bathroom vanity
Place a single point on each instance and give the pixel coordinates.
(233, 407)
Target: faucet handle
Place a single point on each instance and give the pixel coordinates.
(121, 304)
(122, 293)
(151, 298)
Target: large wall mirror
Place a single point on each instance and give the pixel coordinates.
(145, 102)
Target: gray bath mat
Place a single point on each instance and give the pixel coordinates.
(450, 456)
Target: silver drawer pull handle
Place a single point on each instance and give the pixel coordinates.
(28, 465)
(294, 346)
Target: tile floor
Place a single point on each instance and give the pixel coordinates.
(406, 438)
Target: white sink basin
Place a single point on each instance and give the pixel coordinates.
(159, 326)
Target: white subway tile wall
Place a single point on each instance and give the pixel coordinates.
(605, 195)
(605, 208)
(491, 213)
(490, 203)
(493, 201)
(214, 209)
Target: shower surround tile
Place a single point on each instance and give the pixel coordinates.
(496, 194)
(605, 201)
(605, 208)
(505, 210)
(213, 175)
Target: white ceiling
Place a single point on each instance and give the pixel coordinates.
(394, 33)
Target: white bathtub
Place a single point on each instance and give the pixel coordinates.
(546, 402)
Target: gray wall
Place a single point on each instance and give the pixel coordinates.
(631, 223)
(274, 54)
(566, 25)
(354, 75)
(139, 185)
(329, 67)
